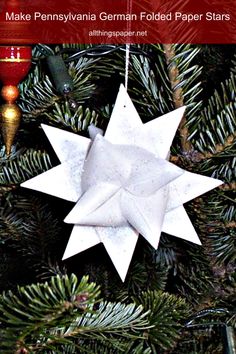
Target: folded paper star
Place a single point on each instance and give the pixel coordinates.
(122, 183)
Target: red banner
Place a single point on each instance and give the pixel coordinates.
(117, 21)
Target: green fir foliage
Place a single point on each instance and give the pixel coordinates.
(66, 314)
(159, 307)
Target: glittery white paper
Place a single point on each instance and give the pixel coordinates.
(122, 184)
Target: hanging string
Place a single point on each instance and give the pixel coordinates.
(127, 49)
(127, 65)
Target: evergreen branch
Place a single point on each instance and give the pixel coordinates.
(180, 79)
(222, 167)
(187, 264)
(23, 167)
(214, 130)
(149, 83)
(142, 276)
(40, 231)
(145, 276)
(102, 347)
(216, 220)
(228, 186)
(10, 223)
(178, 98)
(229, 225)
(77, 120)
(218, 148)
(225, 150)
(45, 316)
(40, 97)
(6, 189)
(34, 309)
(173, 73)
(124, 347)
(222, 240)
(37, 98)
(28, 226)
(166, 315)
(113, 318)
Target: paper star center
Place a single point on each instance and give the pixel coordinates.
(129, 167)
(118, 177)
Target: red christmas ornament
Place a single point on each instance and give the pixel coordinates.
(15, 62)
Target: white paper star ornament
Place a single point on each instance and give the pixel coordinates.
(122, 184)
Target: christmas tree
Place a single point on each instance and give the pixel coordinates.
(175, 299)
